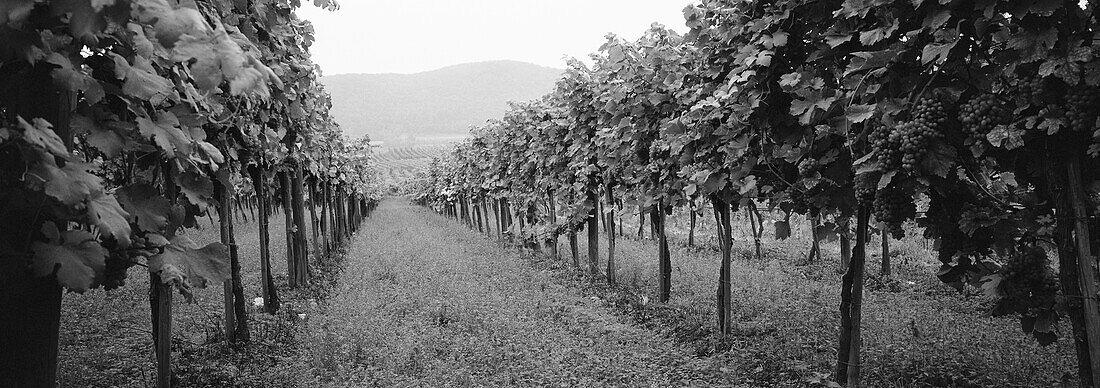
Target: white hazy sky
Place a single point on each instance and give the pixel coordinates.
(390, 36)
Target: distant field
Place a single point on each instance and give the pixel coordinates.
(399, 162)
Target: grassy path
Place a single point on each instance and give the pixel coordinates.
(424, 302)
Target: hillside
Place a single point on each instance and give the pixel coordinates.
(433, 106)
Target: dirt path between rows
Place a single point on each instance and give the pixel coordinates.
(425, 302)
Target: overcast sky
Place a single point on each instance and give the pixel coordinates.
(390, 36)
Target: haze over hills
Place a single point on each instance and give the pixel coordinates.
(434, 106)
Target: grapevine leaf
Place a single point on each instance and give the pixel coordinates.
(71, 184)
(1044, 7)
(105, 140)
(198, 189)
(156, 240)
(105, 213)
(142, 45)
(714, 183)
(1051, 125)
(938, 51)
(74, 256)
(782, 230)
(143, 82)
(84, 20)
(205, 66)
(185, 265)
(991, 285)
(1027, 323)
(1006, 136)
(790, 79)
(870, 60)
(805, 108)
(1045, 339)
(146, 205)
(885, 179)
(937, 19)
(939, 159)
(209, 155)
(166, 133)
(1033, 44)
(41, 134)
(858, 113)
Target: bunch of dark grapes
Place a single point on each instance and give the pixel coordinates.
(981, 114)
(114, 273)
(807, 167)
(902, 147)
(865, 188)
(1082, 104)
(893, 207)
(886, 146)
(1032, 90)
(1028, 278)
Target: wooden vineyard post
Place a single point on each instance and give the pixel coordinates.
(485, 215)
(267, 285)
(341, 215)
(593, 234)
(342, 204)
(1086, 262)
(573, 247)
(301, 254)
(234, 296)
(477, 215)
(161, 300)
(725, 244)
(553, 223)
(325, 233)
(757, 225)
(845, 247)
(691, 227)
(329, 216)
(225, 218)
(619, 220)
(505, 215)
(284, 183)
(611, 276)
(531, 214)
(603, 214)
(313, 221)
(522, 218)
(345, 228)
(664, 261)
(815, 244)
(885, 253)
(851, 305)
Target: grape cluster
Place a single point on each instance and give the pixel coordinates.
(893, 207)
(114, 273)
(902, 147)
(1033, 90)
(1027, 275)
(865, 188)
(807, 167)
(889, 154)
(1082, 104)
(981, 114)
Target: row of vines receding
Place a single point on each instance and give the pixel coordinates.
(977, 120)
(122, 121)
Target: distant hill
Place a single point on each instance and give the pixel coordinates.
(433, 106)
